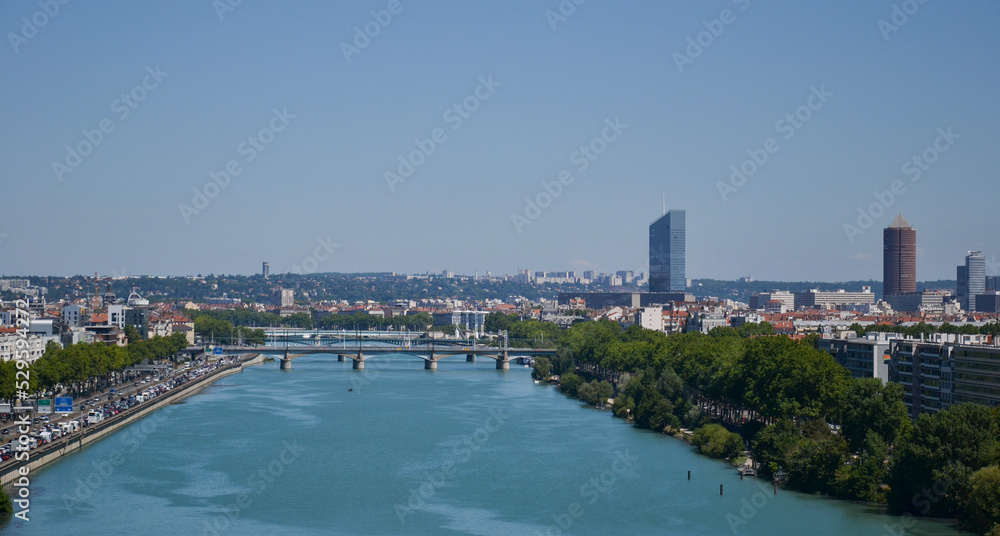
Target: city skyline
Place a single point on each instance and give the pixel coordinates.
(543, 150)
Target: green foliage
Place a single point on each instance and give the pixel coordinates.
(871, 406)
(132, 335)
(497, 322)
(982, 505)
(814, 459)
(862, 476)
(784, 378)
(595, 393)
(541, 368)
(6, 505)
(562, 362)
(940, 453)
(715, 441)
(570, 383)
(80, 365)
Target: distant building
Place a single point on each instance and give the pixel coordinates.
(283, 297)
(667, 253)
(840, 299)
(971, 280)
(74, 315)
(602, 300)
(758, 301)
(988, 302)
(899, 258)
(650, 318)
(265, 269)
(915, 302)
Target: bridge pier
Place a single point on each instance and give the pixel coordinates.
(430, 364)
(470, 358)
(341, 358)
(359, 364)
(286, 363)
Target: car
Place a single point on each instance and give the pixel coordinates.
(5, 431)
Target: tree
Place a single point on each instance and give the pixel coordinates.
(132, 334)
(496, 322)
(981, 508)
(715, 441)
(570, 383)
(870, 406)
(861, 478)
(541, 368)
(940, 453)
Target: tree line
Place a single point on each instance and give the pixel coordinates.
(81, 368)
(800, 412)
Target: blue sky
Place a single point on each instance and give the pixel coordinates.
(554, 85)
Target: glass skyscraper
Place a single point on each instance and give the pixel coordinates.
(971, 280)
(666, 253)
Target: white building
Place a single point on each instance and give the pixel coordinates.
(650, 318)
(9, 350)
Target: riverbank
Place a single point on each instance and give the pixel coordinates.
(55, 450)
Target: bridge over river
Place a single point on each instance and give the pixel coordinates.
(358, 353)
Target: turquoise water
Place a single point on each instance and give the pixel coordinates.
(465, 449)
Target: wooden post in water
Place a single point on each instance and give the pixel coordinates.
(775, 487)
(720, 489)
(689, 475)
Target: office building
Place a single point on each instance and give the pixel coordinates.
(971, 280)
(864, 358)
(840, 299)
(918, 302)
(759, 301)
(948, 370)
(899, 258)
(666, 253)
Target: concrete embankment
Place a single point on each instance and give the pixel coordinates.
(48, 453)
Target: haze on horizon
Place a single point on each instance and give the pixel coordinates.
(877, 85)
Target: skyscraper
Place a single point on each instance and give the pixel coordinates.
(265, 269)
(899, 258)
(971, 280)
(666, 253)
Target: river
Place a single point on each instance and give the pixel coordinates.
(465, 449)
